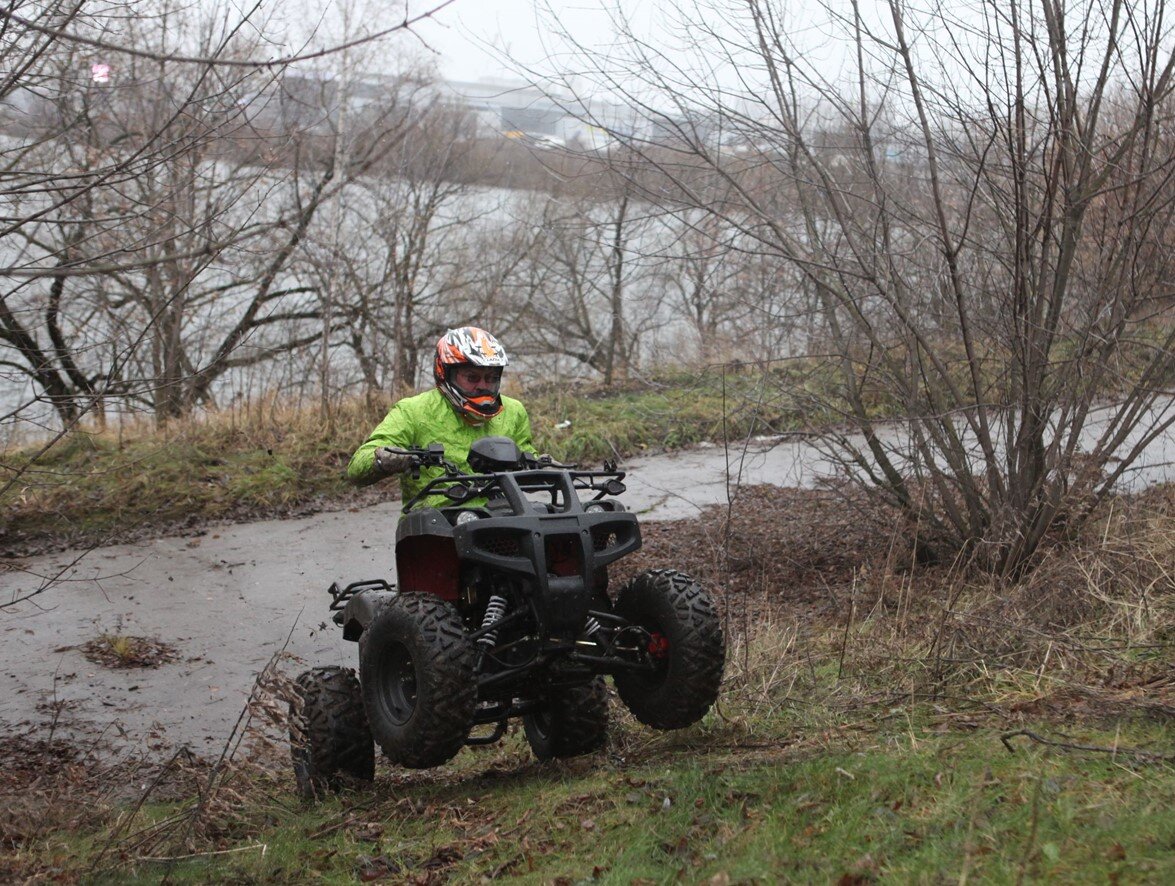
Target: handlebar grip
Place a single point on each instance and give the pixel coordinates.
(432, 456)
(417, 451)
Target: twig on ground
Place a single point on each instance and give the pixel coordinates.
(124, 825)
(264, 847)
(1030, 844)
(1007, 737)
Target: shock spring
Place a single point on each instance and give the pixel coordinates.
(495, 609)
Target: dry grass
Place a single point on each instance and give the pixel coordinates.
(828, 609)
(132, 482)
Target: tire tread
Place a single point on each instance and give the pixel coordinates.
(445, 658)
(697, 651)
(330, 741)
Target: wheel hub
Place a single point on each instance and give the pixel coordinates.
(658, 646)
(399, 689)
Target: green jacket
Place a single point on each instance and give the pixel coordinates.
(430, 418)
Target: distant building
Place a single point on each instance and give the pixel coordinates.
(309, 101)
(543, 117)
(505, 107)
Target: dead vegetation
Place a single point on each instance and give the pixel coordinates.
(1090, 629)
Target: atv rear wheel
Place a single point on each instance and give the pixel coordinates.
(685, 642)
(574, 722)
(329, 738)
(417, 669)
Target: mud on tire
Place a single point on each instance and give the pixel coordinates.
(329, 739)
(418, 683)
(574, 722)
(687, 645)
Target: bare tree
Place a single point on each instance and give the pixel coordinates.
(979, 212)
(159, 204)
(414, 257)
(741, 303)
(38, 256)
(108, 166)
(593, 289)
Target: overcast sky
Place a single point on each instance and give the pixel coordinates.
(472, 39)
(470, 36)
(475, 39)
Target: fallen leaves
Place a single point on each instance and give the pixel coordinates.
(124, 651)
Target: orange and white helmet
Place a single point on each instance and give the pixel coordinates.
(469, 345)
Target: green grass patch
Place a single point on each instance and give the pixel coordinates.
(93, 487)
(676, 409)
(262, 459)
(912, 805)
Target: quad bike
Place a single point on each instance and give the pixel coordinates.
(503, 612)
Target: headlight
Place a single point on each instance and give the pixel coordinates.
(466, 517)
(594, 506)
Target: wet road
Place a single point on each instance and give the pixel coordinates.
(227, 601)
(230, 599)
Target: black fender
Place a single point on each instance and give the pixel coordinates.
(361, 609)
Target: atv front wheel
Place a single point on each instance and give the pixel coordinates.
(419, 688)
(329, 738)
(574, 722)
(684, 642)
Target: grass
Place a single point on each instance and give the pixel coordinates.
(117, 650)
(120, 646)
(672, 411)
(263, 459)
(914, 795)
(96, 487)
(879, 721)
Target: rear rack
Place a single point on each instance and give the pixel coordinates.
(340, 595)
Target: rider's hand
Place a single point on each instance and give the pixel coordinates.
(388, 462)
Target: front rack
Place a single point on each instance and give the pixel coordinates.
(465, 487)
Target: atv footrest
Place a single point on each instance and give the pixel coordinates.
(340, 595)
(492, 738)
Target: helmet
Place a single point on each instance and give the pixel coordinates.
(469, 345)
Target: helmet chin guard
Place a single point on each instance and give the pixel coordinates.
(469, 345)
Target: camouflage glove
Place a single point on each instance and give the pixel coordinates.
(388, 462)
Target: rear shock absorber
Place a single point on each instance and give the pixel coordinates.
(495, 609)
(591, 632)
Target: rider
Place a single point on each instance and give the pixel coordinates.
(466, 404)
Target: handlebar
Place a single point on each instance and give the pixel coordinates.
(431, 457)
(459, 486)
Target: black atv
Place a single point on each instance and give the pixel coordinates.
(503, 611)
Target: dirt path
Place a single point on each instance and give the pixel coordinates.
(225, 601)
